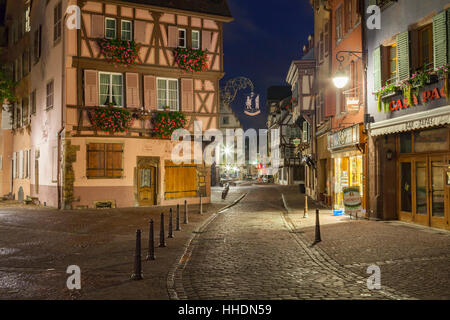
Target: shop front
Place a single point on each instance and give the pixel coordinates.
(347, 153)
(422, 159)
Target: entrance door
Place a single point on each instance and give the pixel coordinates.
(436, 192)
(421, 202)
(405, 190)
(146, 184)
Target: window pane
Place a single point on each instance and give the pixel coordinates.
(406, 200)
(126, 30)
(421, 188)
(195, 39)
(431, 140)
(437, 188)
(405, 143)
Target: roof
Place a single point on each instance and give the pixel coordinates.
(214, 7)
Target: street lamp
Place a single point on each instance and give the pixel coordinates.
(341, 79)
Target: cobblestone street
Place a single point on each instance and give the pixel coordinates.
(257, 251)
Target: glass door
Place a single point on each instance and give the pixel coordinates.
(438, 169)
(405, 190)
(421, 192)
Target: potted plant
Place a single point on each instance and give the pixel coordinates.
(443, 72)
(111, 119)
(165, 123)
(119, 51)
(191, 60)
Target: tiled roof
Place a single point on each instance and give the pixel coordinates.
(215, 7)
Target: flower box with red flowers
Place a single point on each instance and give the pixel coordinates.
(166, 122)
(119, 51)
(111, 119)
(191, 60)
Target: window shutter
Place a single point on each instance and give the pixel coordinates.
(440, 44)
(377, 69)
(150, 93)
(140, 31)
(133, 90)
(384, 64)
(172, 37)
(90, 88)
(21, 164)
(206, 40)
(403, 55)
(14, 165)
(187, 95)
(97, 26)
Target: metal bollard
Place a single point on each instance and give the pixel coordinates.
(317, 238)
(185, 221)
(177, 225)
(305, 213)
(137, 275)
(170, 224)
(201, 204)
(162, 241)
(151, 243)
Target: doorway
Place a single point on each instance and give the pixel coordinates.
(146, 183)
(423, 193)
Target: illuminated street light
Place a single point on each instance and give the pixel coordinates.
(340, 80)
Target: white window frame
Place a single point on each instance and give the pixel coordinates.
(110, 93)
(199, 39)
(121, 30)
(106, 28)
(160, 108)
(179, 38)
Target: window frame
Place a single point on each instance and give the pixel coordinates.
(110, 91)
(199, 39)
(106, 28)
(57, 22)
(420, 31)
(130, 31)
(167, 93)
(338, 26)
(179, 38)
(392, 60)
(105, 157)
(33, 102)
(50, 83)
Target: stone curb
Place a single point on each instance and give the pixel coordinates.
(175, 287)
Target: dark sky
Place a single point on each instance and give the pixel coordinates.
(261, 42)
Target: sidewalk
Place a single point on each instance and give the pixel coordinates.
(414, 260)
(38, 244)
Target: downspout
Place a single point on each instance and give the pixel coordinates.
(63, 90)
(365, 56)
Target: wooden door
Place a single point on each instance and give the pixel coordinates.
(146, 184)
(437, 188)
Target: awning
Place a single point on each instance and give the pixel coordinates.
(420, 120)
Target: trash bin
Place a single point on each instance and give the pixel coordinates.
(301, 187)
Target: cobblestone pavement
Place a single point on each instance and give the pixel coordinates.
(252, 251)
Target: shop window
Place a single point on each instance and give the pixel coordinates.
(430, 140)
(104, 160)
(406, 143)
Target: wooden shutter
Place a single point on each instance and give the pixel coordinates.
(403, 55)
(90, 88)
(150, 102)
(172, 37)
(385, 64)
(140, 31)
(440, 44)
(187, 95)
(377, 69)
(132, 87)
(206, 40)
(97, 26)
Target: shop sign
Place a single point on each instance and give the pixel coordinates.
(344, 138)
(423, 98)
(352, 200)
(352, 103)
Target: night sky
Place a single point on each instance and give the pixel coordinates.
(261, 42)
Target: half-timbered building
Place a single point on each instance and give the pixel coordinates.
(77, 165)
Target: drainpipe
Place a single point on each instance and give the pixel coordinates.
(60, 132)
(365, 56)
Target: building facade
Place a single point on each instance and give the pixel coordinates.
(77, 165)
(408, 102)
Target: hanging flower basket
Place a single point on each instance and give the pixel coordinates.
(111, 119)
(191, 60)
(443, 72)
(165, 123)
(119, 51)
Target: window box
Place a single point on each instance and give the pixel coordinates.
(123, 52)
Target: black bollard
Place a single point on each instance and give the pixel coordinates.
(137, 275)
(177, 225)
(151, 243)
(170, 224)
(185, 213)
(162, 241)
(318, 239)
